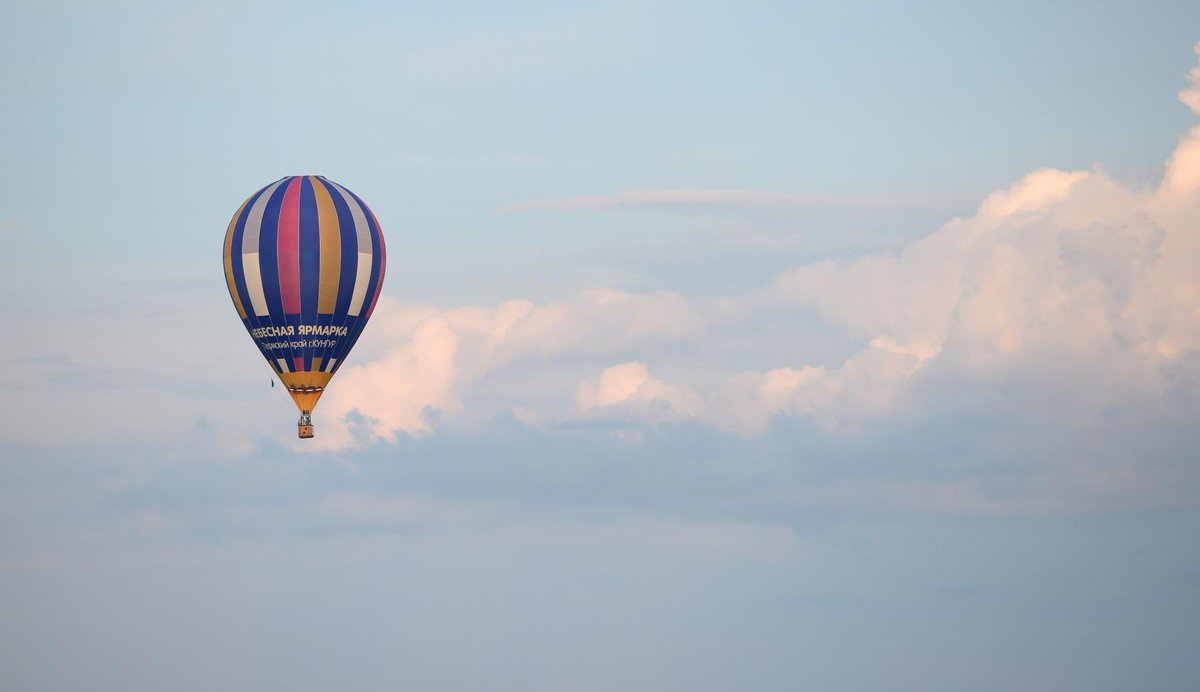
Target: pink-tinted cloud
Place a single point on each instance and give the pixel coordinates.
(628, 389)
(1052, 280)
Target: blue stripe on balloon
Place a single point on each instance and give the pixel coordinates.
(310, 260)
(354, 327)
(268, 254)
(255, 321)
(357, 324)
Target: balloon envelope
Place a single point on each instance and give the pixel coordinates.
(304, 261)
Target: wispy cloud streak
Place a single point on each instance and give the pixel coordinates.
(701, 198)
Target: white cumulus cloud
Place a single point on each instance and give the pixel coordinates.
(1190, 95)
(1066, 280)
(628, 388)
(421, 357)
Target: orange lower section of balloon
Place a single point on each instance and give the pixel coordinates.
(305, 387)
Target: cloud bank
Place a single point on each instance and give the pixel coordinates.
(1078, 287)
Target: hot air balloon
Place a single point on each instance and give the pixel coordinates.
(304, 261)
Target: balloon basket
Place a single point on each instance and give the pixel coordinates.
(305, 426)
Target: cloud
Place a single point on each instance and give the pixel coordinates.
(1070, 268)
(425, 358)
(1060, 276)
(866, 385)
(700, 198)
(1190, 95)
(628, 388)
(1070, 286)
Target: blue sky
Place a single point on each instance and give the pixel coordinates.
(763, 347)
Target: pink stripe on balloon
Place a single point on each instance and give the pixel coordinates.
(289, 248)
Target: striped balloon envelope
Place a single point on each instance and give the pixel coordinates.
(304, 261)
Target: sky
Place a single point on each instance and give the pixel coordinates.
(722, 346)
